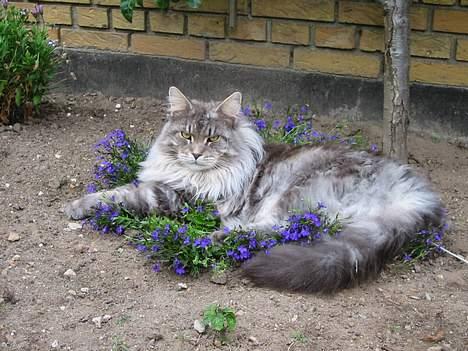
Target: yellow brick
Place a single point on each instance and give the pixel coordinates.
(430, 45)
(92, 17)
(57, 14)
(372, 40)
(439, 2)
(337, 62)
(462, 50)
(439, 73)
(335, 37)
(95, 39)
(72, 1)
(167, 22)
(107, 2)
(22, 5)
(452, 21)
(214, 6)
(53, 33)
(290, 33)
(361, 13)
(138, 21)
(249, 54)
(372, 14)
(168, 46)
(418, 17)
(316, 10)
(206, 26)
(249, 29)
(464, 2)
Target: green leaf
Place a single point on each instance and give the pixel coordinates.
(36, 100)
(139, 2)
(231, 322)
(126, 8)
(217, 323)
(3, 84)
(164, 4)
(18, 96)
(194, 3)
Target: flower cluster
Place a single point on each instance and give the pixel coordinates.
(118, 160)
(296, 128)
(425, 242)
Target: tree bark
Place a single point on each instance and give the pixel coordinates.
(396, 79)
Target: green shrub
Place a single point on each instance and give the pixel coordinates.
(28, 61)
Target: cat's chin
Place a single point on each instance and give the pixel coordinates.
(197, 167)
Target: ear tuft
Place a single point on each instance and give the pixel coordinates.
(178, 101)
(232, 105)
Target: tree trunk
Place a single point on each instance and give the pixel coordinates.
(396, 79)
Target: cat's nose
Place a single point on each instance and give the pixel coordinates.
(196, 156)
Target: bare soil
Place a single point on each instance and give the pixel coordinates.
(47, 163)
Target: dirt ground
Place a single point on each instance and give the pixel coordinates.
(45, 164)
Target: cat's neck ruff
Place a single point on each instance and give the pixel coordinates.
(224, 182)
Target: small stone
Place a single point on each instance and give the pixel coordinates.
(219, 278)
(84, 290)
(106, 318)
(294, 318)
(253, 340)
(55, 344)
(435, 348)
(62, 308)
(199, 326)
(13, 237)
(72, 292)
(69, 273)
(182, 286)
(118, 106)
(74, 226)
(97, 322)
(428, 297)
(17, 127)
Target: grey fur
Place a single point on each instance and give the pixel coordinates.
(382, 203)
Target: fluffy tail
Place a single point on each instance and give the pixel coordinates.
(358, 253)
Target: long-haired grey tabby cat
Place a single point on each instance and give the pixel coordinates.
(211, 150)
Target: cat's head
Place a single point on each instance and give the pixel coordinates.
(202, 136)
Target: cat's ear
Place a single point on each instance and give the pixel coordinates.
(232, 105)
(178, 101)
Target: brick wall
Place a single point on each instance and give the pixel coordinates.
(330, 36)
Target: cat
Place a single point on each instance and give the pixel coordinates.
(212, 151)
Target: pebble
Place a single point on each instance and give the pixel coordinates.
(17, 127)
(97, 322)
(253, 340)
(69, 273)
(55, 344)
(219, 278)
(84, 290)
(74, 226)
(182, 286)
(199, 326)
(13, 237)
(106, 318)
(118, 106)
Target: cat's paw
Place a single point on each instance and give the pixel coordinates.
(218, 236)
(74, 210)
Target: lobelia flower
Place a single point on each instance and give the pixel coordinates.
(179, 267)
(156, 268)
(4, 3)
(261, 124)
(267, 106)
(38, 10)
(247, 111)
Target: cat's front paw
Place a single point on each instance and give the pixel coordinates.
(218, 236)
(73, 210)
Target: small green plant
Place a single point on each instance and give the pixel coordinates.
(127, 6)
(28, 61)
(220, 319)
(118, 344)
(299, 337)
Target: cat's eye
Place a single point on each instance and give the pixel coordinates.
(213, 139)
(186, 135)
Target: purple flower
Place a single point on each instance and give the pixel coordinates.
(202, 242)
(155, 235)
(141, 247)
(374, 148)
(276, 124)
(215, 213)
(289, 124)
(119, 230)
(185, 210)
(179, 267)
(186, 241)
(247, 111)
(267, 106)
(182, 230)
(105, 229)
(200, 209)
(156, 268)
(155, 248)
(261, 124)
(91, 188)
(4, 3)
(321, 205)
(226, 230)
(312, 218)
(37, 10)
(407, 257)
(304, 109)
